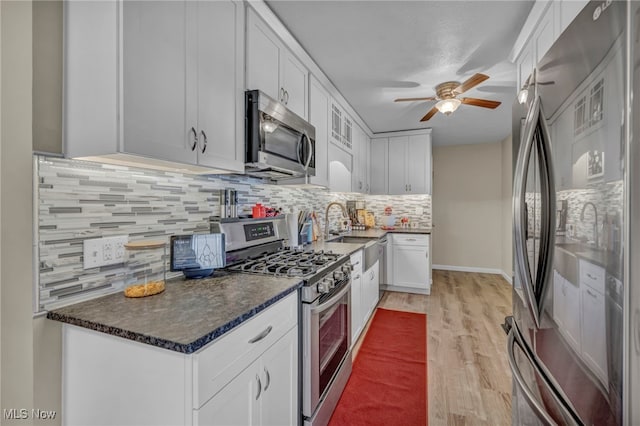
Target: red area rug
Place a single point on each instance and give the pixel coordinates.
(388, 384)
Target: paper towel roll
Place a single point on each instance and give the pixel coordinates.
(292, 228)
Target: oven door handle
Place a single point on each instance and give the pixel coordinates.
(329, 303)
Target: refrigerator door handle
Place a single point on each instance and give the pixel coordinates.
(536, 142)
(517, 376)
(520, 214)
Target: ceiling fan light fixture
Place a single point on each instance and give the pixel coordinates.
(447, 106)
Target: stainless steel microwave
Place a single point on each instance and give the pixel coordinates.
(278, 143)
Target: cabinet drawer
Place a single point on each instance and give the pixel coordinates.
(218, 363)
(592, 275)
(411, 239)
(356, 261)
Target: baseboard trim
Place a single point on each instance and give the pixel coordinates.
(500, 272)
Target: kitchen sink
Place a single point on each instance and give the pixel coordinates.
(370, 247)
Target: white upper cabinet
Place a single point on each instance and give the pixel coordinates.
(546, 21)
(409, 164)
(181, 84)
(379, 166)
(273, 69)
(360, 152)
(319, 104)
(340, 169)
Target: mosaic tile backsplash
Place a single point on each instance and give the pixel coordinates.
(82, 200)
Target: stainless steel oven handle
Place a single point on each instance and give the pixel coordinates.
(330, 303)
(517, 375)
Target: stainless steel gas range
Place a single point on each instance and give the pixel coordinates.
(258, 246)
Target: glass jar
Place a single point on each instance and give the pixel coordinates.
(146, 268)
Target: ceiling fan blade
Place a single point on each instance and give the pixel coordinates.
(430, 114)
(473, 81)
(484, 103)
(430, 98)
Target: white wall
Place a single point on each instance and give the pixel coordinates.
(468, 207)
(16, 286)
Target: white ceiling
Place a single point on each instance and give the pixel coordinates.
(376, 51)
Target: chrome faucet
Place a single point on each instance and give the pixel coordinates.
(595, 221)
(326, 217)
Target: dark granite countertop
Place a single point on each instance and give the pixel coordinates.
(187, 315)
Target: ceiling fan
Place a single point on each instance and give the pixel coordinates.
(446, 95)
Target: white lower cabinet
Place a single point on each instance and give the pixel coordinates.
(248, 376)
(370, 290)
(265, 393)
(357, 309)
(411, 265)
(566, 309)
(365, 291)
(594, 340)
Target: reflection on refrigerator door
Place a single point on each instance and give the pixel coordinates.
(533, 401)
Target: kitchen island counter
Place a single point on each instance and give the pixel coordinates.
(188, 315)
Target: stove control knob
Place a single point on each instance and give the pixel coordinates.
(338, 275)
(324, 286)
(332, 282)
(346, 269)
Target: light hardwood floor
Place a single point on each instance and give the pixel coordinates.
(469, 382)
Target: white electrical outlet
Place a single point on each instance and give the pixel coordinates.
(104, 251)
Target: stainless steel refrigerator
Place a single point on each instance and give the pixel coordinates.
(574, 338)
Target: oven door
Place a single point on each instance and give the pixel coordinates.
(326, 337)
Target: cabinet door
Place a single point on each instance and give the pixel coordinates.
(263, 57)
(572, 313)
(410, 266)
(594, 345)
(218, 91)
(418, 164)
(357, 309)
(397, 169)
(236, 404)
(279, 379)
(357, 150)
(319, 118)
(379, 166)
(371, 291)
(158, 75)
(545, 33)
(294, 81)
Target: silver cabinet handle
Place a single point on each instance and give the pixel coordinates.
(357, 277)
(360, 185)
(367, 187)
(195, 139)
(262, 335)
(406, 187)
(282, 94)
(591, 276)
(286, 97)
(409, 187)
(204, 138)
(266, 372)
(259, 387)
(591, 294)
